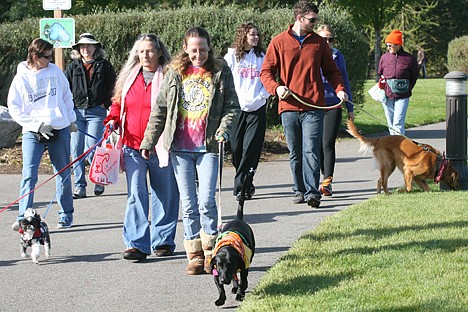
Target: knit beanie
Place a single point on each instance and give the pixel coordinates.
(395, 37)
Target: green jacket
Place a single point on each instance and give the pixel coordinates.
(223, 112)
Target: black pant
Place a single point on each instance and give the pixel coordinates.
(331, 125)
(247, 144)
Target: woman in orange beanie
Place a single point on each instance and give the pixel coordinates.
(400, 71)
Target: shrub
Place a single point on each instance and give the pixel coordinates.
(117, 32)
(457, 55)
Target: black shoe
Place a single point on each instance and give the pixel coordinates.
(247, 197)
(163, 251)
(314, 203)
(134, 254)
(98, 189)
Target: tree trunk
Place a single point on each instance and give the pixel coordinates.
(377, 51)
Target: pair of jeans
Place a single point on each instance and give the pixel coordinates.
(247, 144)
(395, 112)
(138, 232)
(89, 121)
(331, 125)
(59, 153)
(303, 132)
(199, 210)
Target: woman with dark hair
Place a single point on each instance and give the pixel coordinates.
(196, 107)
(91, 79)
(136, 89)
(332, 117)
(245, 59)
(40, 100)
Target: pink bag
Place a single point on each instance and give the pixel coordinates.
(106, 163)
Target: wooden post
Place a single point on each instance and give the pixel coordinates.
(59, 51)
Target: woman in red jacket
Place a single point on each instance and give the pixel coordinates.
(135, 92)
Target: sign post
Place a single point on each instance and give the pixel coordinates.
(56, 33)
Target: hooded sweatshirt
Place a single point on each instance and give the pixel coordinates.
(246, 73)
(42, 96)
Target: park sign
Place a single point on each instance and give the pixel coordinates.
(58, 31)
(56, 4)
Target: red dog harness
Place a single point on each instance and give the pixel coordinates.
(38, 235)
(443, 167)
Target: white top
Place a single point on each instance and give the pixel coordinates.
(250, 91)
(42, 96)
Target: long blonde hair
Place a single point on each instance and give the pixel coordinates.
(133, 60)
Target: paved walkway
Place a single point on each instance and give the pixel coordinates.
(86, 271)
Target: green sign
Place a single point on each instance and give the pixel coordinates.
(58, 31)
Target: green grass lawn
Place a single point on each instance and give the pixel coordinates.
(404, 252)
(426, 106)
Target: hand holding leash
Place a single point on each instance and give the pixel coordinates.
(342, 96)
(221, 136)
(46, 131)
(283, 92)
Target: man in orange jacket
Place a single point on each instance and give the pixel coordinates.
(296, 56)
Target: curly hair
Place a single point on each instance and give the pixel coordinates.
(241, 39)
(181, 62)
(303, 7)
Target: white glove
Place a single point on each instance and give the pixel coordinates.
(73, 127)
(46, 131)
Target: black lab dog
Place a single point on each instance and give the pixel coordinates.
(234, 250)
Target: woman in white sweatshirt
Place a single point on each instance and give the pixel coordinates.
(40, 100)
(245, 59)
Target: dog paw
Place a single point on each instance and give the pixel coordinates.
(220, 301)
(24, 255)
(240, 297)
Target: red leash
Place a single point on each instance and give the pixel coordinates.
(106, 135)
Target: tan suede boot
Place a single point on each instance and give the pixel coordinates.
(194, 251)
(208, 243)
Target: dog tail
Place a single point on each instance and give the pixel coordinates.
(245, 186)
(365, 142)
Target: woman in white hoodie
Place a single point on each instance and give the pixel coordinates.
(40, 100)
(245, 59)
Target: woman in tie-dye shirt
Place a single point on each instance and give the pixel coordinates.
(196, 107)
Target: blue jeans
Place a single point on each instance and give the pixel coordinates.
(303, 132)
(395, 112)
(138, 232)
(90, 121)
(59, 152)
(198, 207)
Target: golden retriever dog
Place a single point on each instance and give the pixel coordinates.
(417, 162)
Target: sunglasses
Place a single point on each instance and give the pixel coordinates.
(389, 45)
(331, 39)
(46, 56)
(311, 19)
